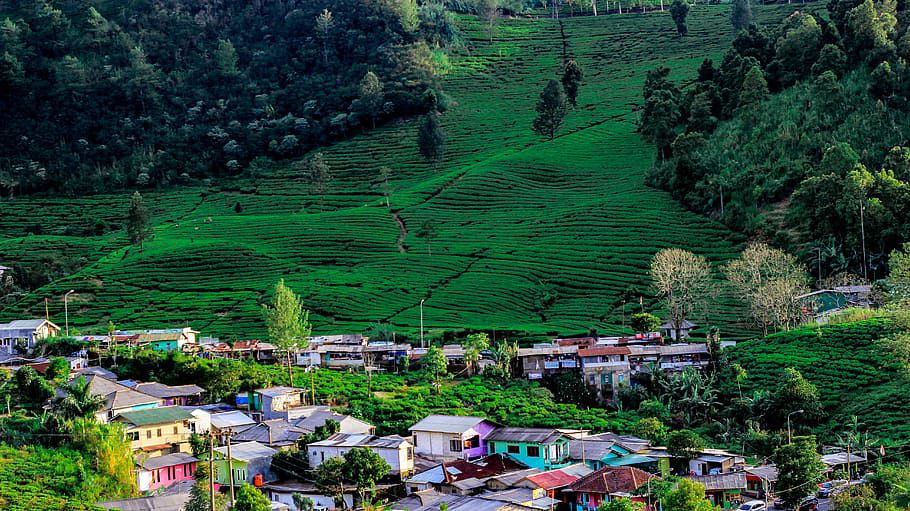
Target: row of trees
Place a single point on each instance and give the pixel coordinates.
(767, 279)
(95, 96)
(797, 135)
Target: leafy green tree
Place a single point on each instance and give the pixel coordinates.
(685, 444)
(794, 392)
(78, 401)
(571, 80)
(319, 175)
(329, 479)
(488, 10)
(688, 495)
(551, 110)
(645, 322)
(830, 58)
(621, 504)
(30, 389)
(652, 408)
(287, 323)
(302, 502)
(249, 498)
(407, 15)
(741, 17)
(504, 352)
(799, 466)
(651, 429)
(385, 185)
(428, 231)
(200, 498)
(371, 95)
(226, 59)
(869, 30)
(660, 113)
(364, 468)
(435, 365)
(431, 139)
(754, 89)
(58, 370)
(679, 10)
(473, 346)
(138, 223)
(898, 282)
(797, 48)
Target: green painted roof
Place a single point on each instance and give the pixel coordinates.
(632, 459)
(156, 415)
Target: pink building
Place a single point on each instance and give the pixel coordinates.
(163, 471)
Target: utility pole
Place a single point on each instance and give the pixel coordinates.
(862, 228)
(211, 470)
(66, 310)
(230, 463)
(421, 323)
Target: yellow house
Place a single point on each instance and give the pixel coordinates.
(158, 431)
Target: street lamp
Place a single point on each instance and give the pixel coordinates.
(421, 322)
(789, 434)
(66, 310)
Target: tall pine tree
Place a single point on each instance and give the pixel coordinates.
(139, 225)
(551, 110)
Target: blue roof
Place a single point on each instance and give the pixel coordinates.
(632, 459)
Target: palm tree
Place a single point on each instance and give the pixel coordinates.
(78, 400)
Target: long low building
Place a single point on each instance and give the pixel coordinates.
(397, 451)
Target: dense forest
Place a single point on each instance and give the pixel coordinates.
(799, 135)
(96, 95)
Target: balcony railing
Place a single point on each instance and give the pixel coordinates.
(683, 365)
(618, 366)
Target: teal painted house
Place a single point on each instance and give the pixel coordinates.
(544, 449)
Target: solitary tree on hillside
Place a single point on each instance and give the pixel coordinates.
(427, 231)
(679, 10)
(551, 110)
(571, 80)
(741, 17)
(138, 225)
(319, 175)
(287, 323)
(682, 281)
(769, 280)
(371, 96)
(489, 12)
(431, 139)
(385, 185)
(324, 25)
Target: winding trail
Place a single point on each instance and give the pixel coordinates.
(402, 232)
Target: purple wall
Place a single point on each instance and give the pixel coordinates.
(482, 429)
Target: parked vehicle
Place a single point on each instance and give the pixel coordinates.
(753, 505)
(810, 503)
(825, 489)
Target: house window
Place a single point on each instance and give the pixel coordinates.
(473, 442)
(513, 449)
(455, 445)
(133, 436)
(148, 434)
(159, 432)
(410, 453)
(175, 430)
(492, 447)
(533, 451)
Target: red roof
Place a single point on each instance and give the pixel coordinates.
(576, 341)
(552, 479)
(604, 350)
(612, 480)
(490, 466)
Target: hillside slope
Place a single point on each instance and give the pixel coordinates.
(853, 374)
(518, 218)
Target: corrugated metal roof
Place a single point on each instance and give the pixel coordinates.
(446, 423)
(161, 415)
(163, 391)
(278, 391)
(612, 480)
(728, 481)
(168, 460)
(231, 419)
(552, 479)
(248, 451)
(604, 350)
(358, 440)
(528, 435)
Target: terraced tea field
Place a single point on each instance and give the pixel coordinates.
(518, 217)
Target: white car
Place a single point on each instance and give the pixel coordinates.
(753, 505)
